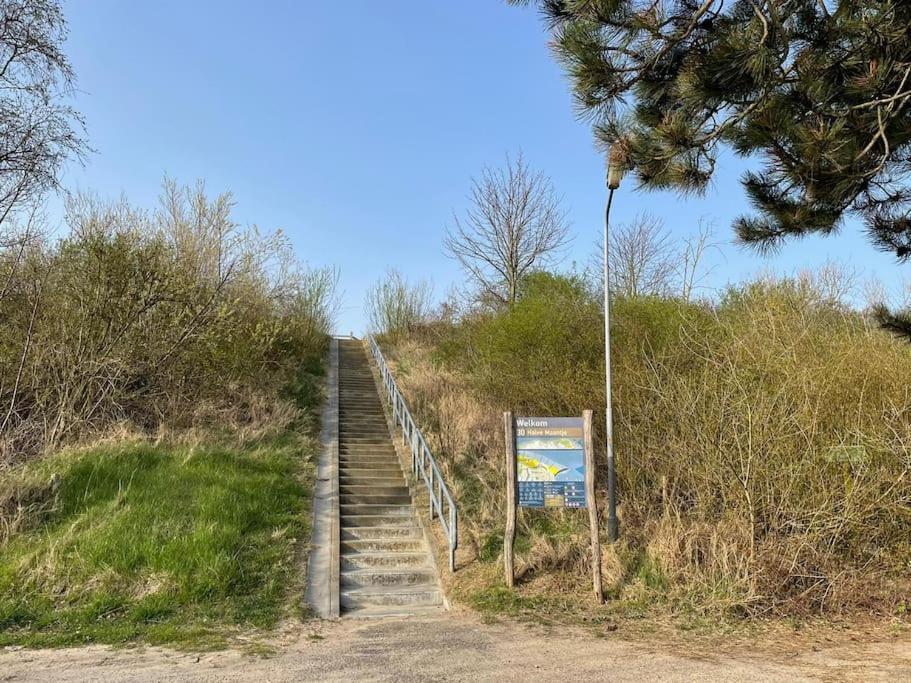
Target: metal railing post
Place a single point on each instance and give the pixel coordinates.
(453, 535)
(431, 494)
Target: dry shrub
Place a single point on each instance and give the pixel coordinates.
(763, 441)
(786, 422)
(175, 317)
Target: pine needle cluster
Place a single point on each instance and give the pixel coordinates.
(817, 91)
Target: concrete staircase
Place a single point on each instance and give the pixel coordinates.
(386, 567)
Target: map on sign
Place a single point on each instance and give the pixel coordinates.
(550, 463)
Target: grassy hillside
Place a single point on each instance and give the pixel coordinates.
(160, 542)
(159, 376)
(762, 441)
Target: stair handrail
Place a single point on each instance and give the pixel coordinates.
(423, 464)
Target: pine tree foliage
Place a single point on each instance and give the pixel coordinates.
(819, 91)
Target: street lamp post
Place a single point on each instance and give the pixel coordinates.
(614, 175)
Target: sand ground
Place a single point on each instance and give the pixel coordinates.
(461, 647)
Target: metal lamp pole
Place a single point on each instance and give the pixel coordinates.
(614, 175)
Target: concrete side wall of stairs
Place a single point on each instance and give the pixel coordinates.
(385, 562)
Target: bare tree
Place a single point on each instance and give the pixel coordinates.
(642, 258)
(645, 260)
(691, 271)
(513, 225)
(38, 131)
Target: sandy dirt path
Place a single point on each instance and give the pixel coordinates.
(459, 647)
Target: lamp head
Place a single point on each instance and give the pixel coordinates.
(616, 165)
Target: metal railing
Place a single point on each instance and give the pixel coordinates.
(423, 466)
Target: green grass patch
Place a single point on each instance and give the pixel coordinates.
(155, 543)
(500, 600)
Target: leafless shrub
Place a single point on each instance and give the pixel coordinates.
(646, 259)
(395, 306)
(144, 317)
(642, 258)
(691, 270)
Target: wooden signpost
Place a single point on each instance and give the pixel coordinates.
(550, 463)
(509, 538)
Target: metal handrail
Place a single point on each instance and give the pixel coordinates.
(423, 464)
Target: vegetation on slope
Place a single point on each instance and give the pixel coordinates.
(159, 374)
(762, 441)
(178, 317)
(160, 542)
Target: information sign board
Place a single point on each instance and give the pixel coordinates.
(550, 462)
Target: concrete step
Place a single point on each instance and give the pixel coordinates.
(378, 474)
(368, 458)
(367, 455)
(375, 499)
(369, 452)
(379, 465)
(364, 440)
(361, 444)
(365, 477)
(359, 428)
(389, 612)
(351, 509)
(356, 520)
(383, 545)
(359, 533)
(364, 578)
(369, 462)
(356, 449)
(364, 598)
(415, 560)
(391, 489)
(355, 466)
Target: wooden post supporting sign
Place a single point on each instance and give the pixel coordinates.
(511, 486)
(552, 439)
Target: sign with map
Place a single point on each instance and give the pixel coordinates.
(550, 462)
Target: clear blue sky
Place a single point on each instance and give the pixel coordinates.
(356, 126)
